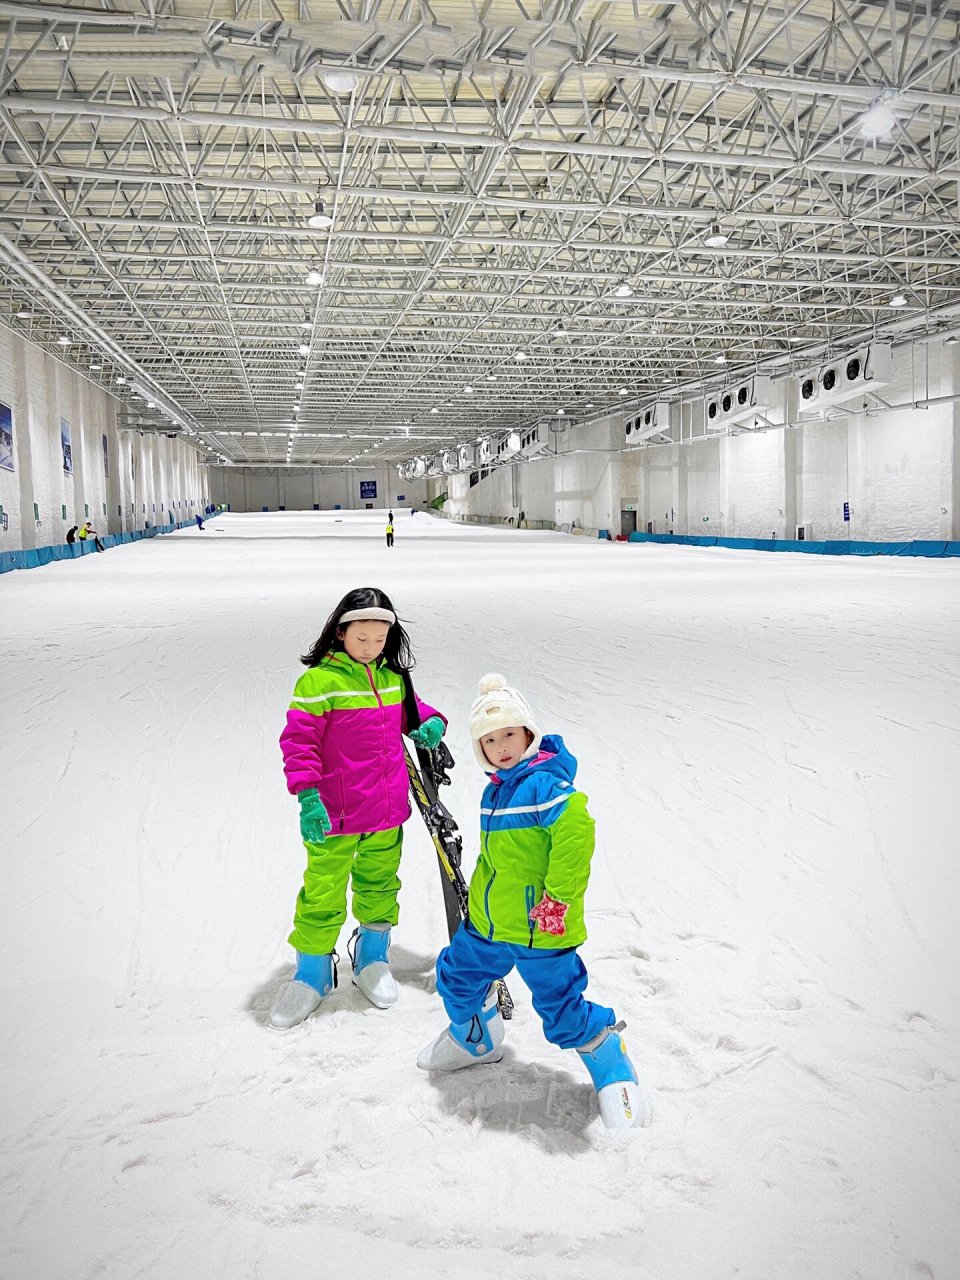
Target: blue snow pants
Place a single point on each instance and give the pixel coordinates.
(557, 979)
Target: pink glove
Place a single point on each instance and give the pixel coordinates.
(548, 914)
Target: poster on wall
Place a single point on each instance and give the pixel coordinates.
(66, 446)
(106, 456)
(368, 488)
(6, 437)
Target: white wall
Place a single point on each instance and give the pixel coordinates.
(299, 488)
(41, 391)
(580, 482)
(898, 470)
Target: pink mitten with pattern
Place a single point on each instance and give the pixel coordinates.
(548, 914)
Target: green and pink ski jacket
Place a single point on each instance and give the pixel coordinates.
(343, 737)
(535, 836)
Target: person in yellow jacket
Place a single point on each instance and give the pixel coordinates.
(390, 533)
(526, 910)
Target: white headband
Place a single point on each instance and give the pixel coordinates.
(363, 615)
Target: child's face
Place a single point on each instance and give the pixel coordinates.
(504, 747)
(364, 640)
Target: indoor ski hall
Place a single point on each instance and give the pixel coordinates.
(480, 582)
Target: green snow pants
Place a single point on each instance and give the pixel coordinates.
(371, 862)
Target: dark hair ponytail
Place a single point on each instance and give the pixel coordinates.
(396, 652)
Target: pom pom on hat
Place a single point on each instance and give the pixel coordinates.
(488, 683)
(498, 706)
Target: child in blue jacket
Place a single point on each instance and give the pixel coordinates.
(526, 895)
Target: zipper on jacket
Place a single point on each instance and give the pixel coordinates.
(530, 904)
(486, 849)
(383, 743)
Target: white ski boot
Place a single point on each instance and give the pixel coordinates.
(371, 968)
(465, 1044)
(316, 977)
(623, 1104)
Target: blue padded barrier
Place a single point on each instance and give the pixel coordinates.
(918, 547)
(36, 556)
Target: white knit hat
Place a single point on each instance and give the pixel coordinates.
(500, 707)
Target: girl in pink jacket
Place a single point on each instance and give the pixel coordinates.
(343, 760)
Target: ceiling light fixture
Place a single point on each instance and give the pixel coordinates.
(434, 409)
(561, 329)
(624, 391)
(519, 355)
(304, 349)
(898, 300)
(320, 220)
(719, 359)
(24, 314)
(63, 340)
(314, 277)
(623, 290)
(306, 324)
(717, 238)
(468, 391)
(491, 377)
(589, 404)
(121, 379)
(342, 82)
(951, 341)
(879, 120)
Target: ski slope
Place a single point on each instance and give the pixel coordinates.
(771, 747)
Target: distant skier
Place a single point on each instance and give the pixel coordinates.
(390, 532)
(343, 760)
(199, 520)
(72, 535)
(536, 842)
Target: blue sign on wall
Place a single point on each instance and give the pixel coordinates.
(846, 511)
(368, 488)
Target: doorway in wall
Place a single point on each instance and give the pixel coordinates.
(628, 522)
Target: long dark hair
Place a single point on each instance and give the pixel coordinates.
(397, 654)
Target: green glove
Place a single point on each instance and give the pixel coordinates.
(314, 819)
(429, 733)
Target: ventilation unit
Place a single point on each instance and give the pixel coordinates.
(509, 445)
(651, 421)
(534, 440)
(844, 379)
(484, 451)
(418, 468)
(435, 465)
(467, 457)
(741, 403)
(449, 462)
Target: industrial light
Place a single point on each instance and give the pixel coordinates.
(623, 290)
(878, 121)
(589, 404)
(94, 368)
(898, 300)
(951, 341)
(121, 378)
(298, 386)
(63, 340)
(491, 377)
(319, 219)
(519, 355)
(24, 314)
(151, 405)
(717, 238)
(304, 349)
(296, 408)
(561, 412)
(315, 277)
(340, 81)
(434, 409)
(306, 324)
(468, 391)
(719, 359)
(561, 329)
(624, 391)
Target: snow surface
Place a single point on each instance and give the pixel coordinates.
(771, 747)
